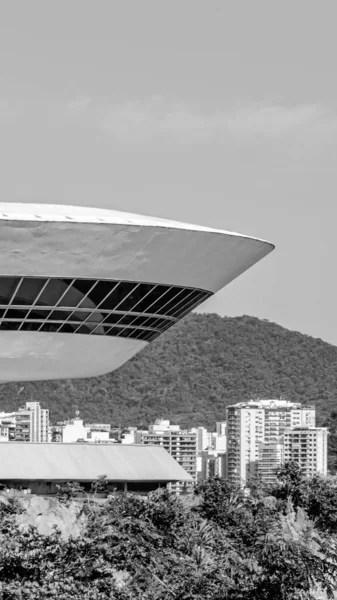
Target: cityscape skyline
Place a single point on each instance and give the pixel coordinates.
(255, 439)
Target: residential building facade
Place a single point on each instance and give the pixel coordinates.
(180, 444)
(28, 424)
(307, 446)
(255, 434)
(39, 422)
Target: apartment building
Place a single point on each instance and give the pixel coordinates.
(39, 422)
(254, 432)
(7, 427)
(271, 457)
(28, 424)
(211, 463)
(307, 446)
(74, 430)
(181, 444)
(245, 431)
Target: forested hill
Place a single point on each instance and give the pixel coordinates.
(192, 372)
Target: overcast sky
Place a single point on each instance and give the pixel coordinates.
(218, 113)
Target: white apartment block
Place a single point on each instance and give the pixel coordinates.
(245, 431)
(254, 432)
(307, 446)
(39, 422)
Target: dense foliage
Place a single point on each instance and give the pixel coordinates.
(190, 373)
(221, 543)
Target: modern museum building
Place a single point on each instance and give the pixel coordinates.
(82, 290)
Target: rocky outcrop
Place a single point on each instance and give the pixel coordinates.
(46, 513)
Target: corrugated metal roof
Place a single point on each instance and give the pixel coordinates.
(85, 462)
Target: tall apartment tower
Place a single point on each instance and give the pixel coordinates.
(39, 421)
(182, 445)
(245, 431)
(255, 430)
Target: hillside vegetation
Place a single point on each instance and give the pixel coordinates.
(192, 372)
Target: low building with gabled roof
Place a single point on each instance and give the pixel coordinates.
(41, 467)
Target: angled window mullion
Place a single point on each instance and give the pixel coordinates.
(185, 312)
(96, 307)
(141, 328)
(80, 302)
(65, 292)
(101, 302)
(183, 300)
(98, 324)
(160, 297)
(12, 298)
(125, 297)
(160, 314)
(143, 298)
(108, 294)
(154, 302)
(57, 303)
(121, 302)
(35, 301)
(201, 297)
(139, 301)
(181, 291)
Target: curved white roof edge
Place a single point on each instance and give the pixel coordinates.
(81, 214)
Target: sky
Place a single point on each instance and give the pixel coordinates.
(222, 114)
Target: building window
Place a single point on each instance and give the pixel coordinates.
(94, 307)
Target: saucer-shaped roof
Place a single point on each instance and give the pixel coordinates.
(82, 290)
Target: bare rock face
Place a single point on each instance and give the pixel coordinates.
(45, 513)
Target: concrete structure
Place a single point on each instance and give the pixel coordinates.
(271, 457)
(220, 442)
(39, 422)
(250, 424)
(307, 446)
(128, 468)
(74, 431)
(28, 424)
(221, 428)
(161, 425)
(211, 463)
(181, 445)
(7, 427)
(83, 290)
(202, 438)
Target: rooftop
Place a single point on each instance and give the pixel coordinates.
(85, 462)
(84, 214)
